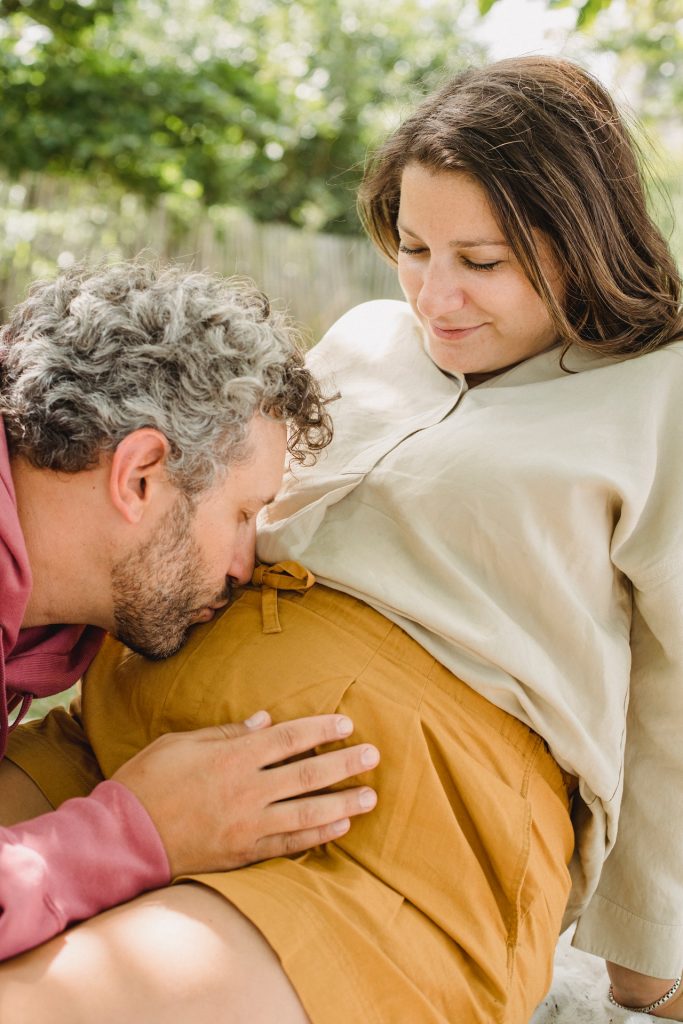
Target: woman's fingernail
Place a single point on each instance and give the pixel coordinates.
(257, 720)
(340, 827)
(344, 726)
(367, 798)
(369, 756)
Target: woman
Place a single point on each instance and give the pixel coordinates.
(496, 534)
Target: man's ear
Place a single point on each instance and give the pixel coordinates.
(138, 472)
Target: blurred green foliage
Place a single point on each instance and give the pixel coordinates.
(586, 10)
(268, 106)
(644, 41)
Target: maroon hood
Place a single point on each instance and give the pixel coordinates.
(33, 662)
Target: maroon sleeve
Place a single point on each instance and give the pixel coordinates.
(90, 854)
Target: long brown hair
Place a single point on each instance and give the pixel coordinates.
(547, 143)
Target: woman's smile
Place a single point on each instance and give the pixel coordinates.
(479, 311)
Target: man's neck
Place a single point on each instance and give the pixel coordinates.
(56, 513)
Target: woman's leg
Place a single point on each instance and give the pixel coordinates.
(633, 989)
(176, 955)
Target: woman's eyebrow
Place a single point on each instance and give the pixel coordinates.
(462, 243)
(472, 243)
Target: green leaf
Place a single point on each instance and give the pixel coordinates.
(589, 12)
(485, 6)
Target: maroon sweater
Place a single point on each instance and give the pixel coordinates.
(92, 852)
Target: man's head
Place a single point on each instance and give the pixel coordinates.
(96, 354)
(184, 567)
(175, 387)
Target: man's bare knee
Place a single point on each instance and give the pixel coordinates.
(179, 954)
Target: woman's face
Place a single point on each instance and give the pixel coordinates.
(479, 311)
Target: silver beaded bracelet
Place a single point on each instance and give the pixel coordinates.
(652, 1006)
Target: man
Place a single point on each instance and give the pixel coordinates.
(143, 425)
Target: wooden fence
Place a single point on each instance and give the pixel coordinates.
(47, 223)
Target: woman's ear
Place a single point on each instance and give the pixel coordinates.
(138, 472)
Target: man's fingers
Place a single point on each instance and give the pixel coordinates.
(299, 736)
(320, 772)
(233, 730)
(227, 731)
(297, 842)
(259, 720)
(271, 744)
(313, 821)
(315, 812)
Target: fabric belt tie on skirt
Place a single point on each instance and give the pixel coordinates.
(281, 576)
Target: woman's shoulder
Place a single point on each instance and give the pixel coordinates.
(381, 316)
(370, 332)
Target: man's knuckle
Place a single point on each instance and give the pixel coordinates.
(287, 738)
(290, 843)
(307, 814)
(309, 776)
(325, 833)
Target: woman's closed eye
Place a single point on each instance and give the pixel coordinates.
(481, 266)
(407, 251)
(422, 250)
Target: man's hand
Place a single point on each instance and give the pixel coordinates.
(221, 798)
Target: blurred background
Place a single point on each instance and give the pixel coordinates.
(232, 133)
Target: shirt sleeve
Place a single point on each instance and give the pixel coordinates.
(91, 854)
(635, 918)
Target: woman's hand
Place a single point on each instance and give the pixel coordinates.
(221, 797)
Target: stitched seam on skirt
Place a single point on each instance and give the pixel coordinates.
(316, 605)
(370, 1010)
(156, 720)
(513, 731)
(514, 924)
(349, 968)
(374, 653)
(411, 653)
(155, 727)
(354, 638)
(415, 704)
(325, 940)
(372, 647)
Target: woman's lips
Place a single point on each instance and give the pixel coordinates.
(453, 333)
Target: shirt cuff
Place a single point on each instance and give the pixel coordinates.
(612, 932)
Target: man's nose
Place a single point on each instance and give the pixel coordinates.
(242, 565)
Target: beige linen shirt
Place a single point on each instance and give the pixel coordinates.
(529, 534)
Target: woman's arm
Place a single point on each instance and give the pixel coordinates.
(635, 920)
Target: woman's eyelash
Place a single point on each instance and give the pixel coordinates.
(406, 249)
(481, 266)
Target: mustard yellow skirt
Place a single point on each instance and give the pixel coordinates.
(444, 904)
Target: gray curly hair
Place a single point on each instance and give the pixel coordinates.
(98, 353)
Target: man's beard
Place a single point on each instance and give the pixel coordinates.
(158, 589)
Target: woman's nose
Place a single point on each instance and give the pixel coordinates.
(440, 294)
